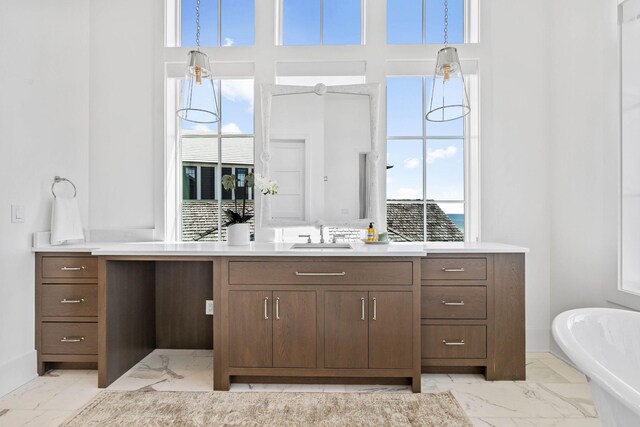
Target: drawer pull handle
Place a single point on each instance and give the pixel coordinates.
(362, 316)
(277, 308)
(445, 342)
(453, 302)
(342, 273)
(375, 309)
(266, 303)
(73, 268)
(453, 270)
(72, 339)
(71, 301)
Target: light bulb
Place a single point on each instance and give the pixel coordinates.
(198, 75)
(446, 70)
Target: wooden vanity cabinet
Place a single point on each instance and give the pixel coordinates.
(368, 330)
(66, 296)
(472, 314)
(318, 319)
(272, 329)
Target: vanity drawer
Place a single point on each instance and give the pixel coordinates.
(54, 267)
(70, 300)
(454, 342)
(69, 338)
(454, 269)
(320, 272)
(454, 302)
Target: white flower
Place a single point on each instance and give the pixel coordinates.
(266, 185)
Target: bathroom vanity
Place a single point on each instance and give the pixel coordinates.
(367, 315)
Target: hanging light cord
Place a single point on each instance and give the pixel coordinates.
(198, 24)
(446, 22)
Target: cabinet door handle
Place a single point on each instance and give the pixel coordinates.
(453, 270)
(72, 268)
(71, 301)
(277, 308)
(445, 342)
(453, 302)
(266, 308)
(342, 273)
(375, 309)
(72, 339)
(362, 315)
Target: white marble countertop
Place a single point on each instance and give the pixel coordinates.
(277, 249)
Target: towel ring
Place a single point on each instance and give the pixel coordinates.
(57, 180)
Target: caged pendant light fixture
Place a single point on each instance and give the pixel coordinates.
(198, 100)
(449, 100)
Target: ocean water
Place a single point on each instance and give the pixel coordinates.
(458, 219)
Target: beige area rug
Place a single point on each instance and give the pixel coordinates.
(164, 408)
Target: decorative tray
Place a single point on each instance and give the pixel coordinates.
(377, 242)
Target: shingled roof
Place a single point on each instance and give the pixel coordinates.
(201, 216)
(404, 222)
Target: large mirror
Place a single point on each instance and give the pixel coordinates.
(320, 145)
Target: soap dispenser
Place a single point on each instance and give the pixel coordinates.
(371, 233)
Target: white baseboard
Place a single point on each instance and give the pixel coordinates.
(538, 340)
(18, 371)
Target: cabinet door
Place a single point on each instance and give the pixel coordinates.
(250, 329)
(346, 330)
(294, 329)
(390, 330)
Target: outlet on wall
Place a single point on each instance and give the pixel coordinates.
(209, 307)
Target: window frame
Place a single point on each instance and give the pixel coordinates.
(173, 24)
(280, 25)
(619, 294)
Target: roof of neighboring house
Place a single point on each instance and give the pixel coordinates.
(235, 151)
(404, 221)
(200, 216)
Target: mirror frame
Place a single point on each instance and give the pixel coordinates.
(374, 205)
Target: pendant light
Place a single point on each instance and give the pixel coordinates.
(449, 100)
(198, 100)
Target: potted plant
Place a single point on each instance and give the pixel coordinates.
(238, 230)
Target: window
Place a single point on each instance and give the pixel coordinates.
(422, 21)
(222, 22)
(318, 22)
(323, 41)
(425, 167)
(628, 292)
(204, 198)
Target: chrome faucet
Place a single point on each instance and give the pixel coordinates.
(321, 233)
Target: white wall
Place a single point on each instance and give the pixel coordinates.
(584, 153)
(123, 143)
(44, 131)
(515, 182)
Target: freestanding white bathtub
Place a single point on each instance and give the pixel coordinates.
(605, 344)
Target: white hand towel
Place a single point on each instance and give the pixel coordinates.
(65, 221)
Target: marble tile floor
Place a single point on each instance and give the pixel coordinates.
(554, 394)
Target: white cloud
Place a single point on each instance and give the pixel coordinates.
(227, 41)
(231, 128)
(441, 153)
(235, 90)
(411, 163)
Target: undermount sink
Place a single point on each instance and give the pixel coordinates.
(322, 246)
